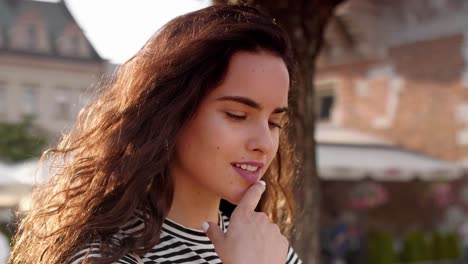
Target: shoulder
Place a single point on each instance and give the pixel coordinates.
(93, 251)
(292, 257)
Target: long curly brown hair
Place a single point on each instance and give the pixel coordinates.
(115, 161)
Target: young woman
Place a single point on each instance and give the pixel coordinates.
(169, 164)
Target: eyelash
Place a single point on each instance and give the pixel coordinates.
(237, 117)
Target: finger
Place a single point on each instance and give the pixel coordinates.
(252, 197)
(214, 233)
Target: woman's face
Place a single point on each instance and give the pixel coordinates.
(234, 135)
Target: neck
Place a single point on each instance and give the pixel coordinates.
(192, 205)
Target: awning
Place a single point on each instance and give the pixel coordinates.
(379, 162)
(17, 180)
(11, 196)
(26, 172)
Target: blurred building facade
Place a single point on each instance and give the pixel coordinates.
(399, 70)
(47, 64)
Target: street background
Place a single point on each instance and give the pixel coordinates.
(389, 126)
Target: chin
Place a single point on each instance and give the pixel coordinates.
(234, 201)
(235, 197)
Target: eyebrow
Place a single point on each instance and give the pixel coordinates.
(251, 103)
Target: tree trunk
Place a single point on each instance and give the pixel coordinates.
(306, 21)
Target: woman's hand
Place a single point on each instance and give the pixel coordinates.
(251, 237)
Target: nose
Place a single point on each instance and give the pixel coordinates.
(261, 139)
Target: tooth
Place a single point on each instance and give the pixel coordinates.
(243, 166)
(251, 168)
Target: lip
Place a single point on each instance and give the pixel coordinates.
(252, 163)
(251, 177)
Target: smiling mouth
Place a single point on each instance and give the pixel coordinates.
(246, 167)
(248, 172)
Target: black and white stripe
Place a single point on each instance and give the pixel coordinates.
(178, 244)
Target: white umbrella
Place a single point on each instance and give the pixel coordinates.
(30, 172)
(5, 175)
(17, 180)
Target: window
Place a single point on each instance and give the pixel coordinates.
(2, 37)
(74, 45)
(324, 101)
(62, 104)
(3, 99)
(31, 37)
(84, 98)
(30, 100)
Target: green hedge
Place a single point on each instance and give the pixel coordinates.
(445, 246)
(381, 249)
(438, 247)
(6, 231)
(415, 248)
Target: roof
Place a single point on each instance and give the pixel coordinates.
(55, 14)
(325, 133)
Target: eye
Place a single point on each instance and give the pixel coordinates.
(236, 117)
(275, 125)
(243, 117)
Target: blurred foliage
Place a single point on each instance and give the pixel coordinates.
(454, 246)
(381, 249)
(440, 247)
(415, 248)
(445, 246)
(17, 142)
(6, 231)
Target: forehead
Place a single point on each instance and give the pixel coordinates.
(260, 76)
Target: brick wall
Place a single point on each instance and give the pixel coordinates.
(414, 96)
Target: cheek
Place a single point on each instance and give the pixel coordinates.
(208, 141)
(221, 135)
(273, 154)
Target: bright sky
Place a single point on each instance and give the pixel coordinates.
(118, 28)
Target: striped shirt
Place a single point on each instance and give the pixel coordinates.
(178, 244)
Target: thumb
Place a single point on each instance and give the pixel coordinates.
(214, 233)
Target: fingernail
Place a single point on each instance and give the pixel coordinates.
(262, 183)
(205, 226)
